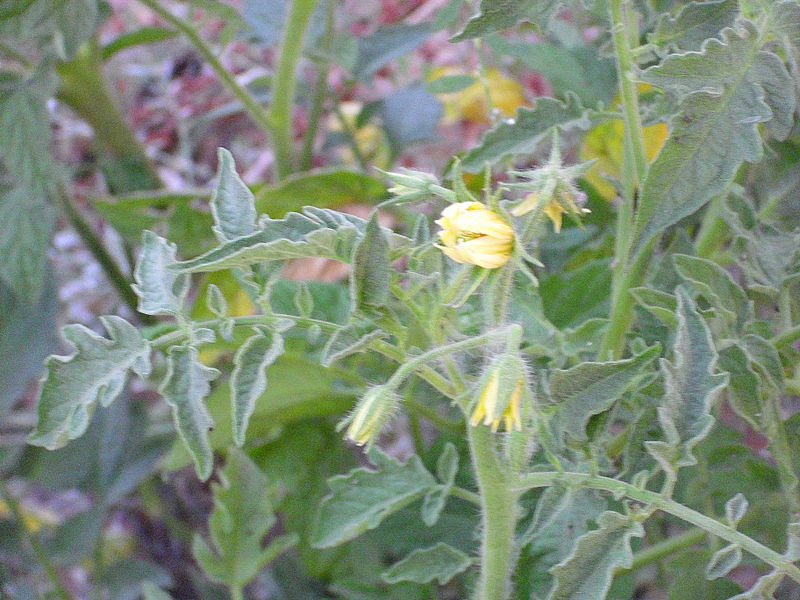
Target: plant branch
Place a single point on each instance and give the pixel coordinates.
(280, 114)
(674, 544)
(656, 500)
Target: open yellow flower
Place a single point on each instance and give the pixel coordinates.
(473, 234)
(487, 406)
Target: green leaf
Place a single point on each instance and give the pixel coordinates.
(730, 87)
(63, 25)
(27, 337)
(690, 383)
(592, 387)
(215, 301)
(352, 338)
(323, 189)
(497, 15)
(142, 35)
(660, 304)
(372, 273)
(161, 290)
(449, 84)
(572, 297)
(435, 499)
(232, 204)
(786, 20)
(589, 570)
(580, 69)
(524, 133)
(764, 588)
(316, 232)
(718, 287)
(184, 388)
(744, 386)
(150, 591)
(360, 500)
(386, 44)
(693, 24)
(686, 571)
(241, 518)
(249, 377)
(735, 508)
(410, 114)
(440, 562)
(96, 372)
(723, 561)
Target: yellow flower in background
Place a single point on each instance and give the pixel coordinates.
(487, 406)
(470, 103)
(473, 234)
(605, 142)
(369, 138)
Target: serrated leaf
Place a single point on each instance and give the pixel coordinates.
(744, 386)
(440, 562)
(232, 204)
(371, 277)
(693, 24)
(241, 518)
(497, 15)
(723, 561)
(360, 500)
(660, 304)
(786, 20)
(718, 287)
(729, 87)
(303, 300)
(690, 383)
(589, 570)
(386, 44)
(316, 232)
(161, 289)
(591, 388)
(216, 302)
(735, 509)
(96, 372)
(249, 377)
(185, 388)
(352, 338)
(524, 133)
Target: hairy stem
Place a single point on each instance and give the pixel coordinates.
(280, 115)
(667, 505)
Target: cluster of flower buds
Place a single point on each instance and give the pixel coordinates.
(411, 185)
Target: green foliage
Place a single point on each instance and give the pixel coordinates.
(496, 15)
(440, 562)
(242, 516)
(693, 24)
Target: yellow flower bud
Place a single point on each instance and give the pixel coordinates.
(370, 415)
(473, 234)
(500, 398)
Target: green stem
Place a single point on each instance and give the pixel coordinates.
(83, 88)
(350, 136)
(466, 495)
(499, 512)
(670, 546)
(280, 115)
(782, 452)
(320, 92)
(634, 170)
(44, 560)
(236, 593)
(251, 105)
(115, 275)
(712, 229)
(667, 505)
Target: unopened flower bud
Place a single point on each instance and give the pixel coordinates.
(500, 397)
(371, 413)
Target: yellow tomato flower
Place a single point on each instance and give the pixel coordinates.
(553, 210)
(473, 234)
(470, 103)
(487, 405)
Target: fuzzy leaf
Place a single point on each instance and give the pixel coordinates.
(723, 561)
(718, 287)
(185, 388)
(241, 518)
(249, 377)
(215, 301)
(744, 385)
(496, 15)
(524, 133)
(440, 562)
(660, 304)
(764, 588)
(386, 44)
(690, 383)
(588, 571)
(350, 339)
(316, 232)
(360, 500)
(371, 277)
(729, 87)
(435, 499)
(591, 388)
(232, 204)
(96, 372)
(735, 509)
(694, 24)
(161, 290)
